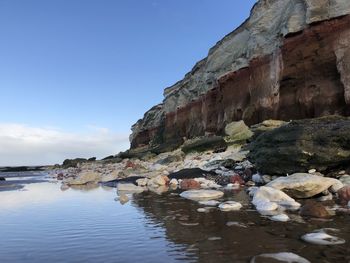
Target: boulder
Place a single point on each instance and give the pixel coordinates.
(344, 195)
(320, 143)
(202, 195)
(84, 178)
(303, 185)
(205, 143)
(314, 209)
(237, 132)
(189, 184)
(269, 199)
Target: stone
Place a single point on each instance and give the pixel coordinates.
(238, 132)
(159, 180)
(280, 218)
(202, 195)
(314, 209)
(84, 178)
(286, 257)
(209, 203)
(265, 126)
(189, 184)
(322, 238)
(190, 174)
(344, 195)
(268, 199)
(110, 176)
(257, 178)
(202, 144)
(345, 180)
(312, 171)
(301, 145)
(303, 185)
(230, 206)
(237, 179)
(129, 188)
(142, 182)
(174, 182)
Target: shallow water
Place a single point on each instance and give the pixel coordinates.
(42, 223)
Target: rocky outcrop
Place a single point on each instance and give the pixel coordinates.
(289, 60)
(320, 143)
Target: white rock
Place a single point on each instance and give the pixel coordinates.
(268, 199)
(129, 188)
(201, 210)
(303, 185)
(280, 257)
(173, 182)
(312, 171)
(266, 206)
(252, 190)
(230, 206)
(142, 181)
(209, 203)
(280, 218)
(202, 195)
(345, 179)
(322, 238)
(324, 198)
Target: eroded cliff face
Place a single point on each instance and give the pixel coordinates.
(289, 60)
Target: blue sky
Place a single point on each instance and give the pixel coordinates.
(93, 67)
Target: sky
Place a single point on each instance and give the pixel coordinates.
(76, 74)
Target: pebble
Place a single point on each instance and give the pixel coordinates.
(320, 237)
(230, 206)
(214, 238)
(312, 171)
(280, 218)
(209, 203)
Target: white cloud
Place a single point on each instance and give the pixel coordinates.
(25, 145)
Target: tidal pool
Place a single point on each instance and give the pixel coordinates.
(41, 223)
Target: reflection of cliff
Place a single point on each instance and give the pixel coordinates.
(289, 60)
(177, 216)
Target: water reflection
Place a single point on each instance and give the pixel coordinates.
(92, 224)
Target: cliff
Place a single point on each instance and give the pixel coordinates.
(289, 60)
